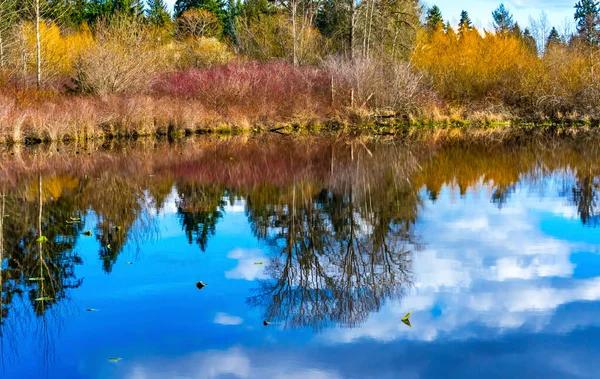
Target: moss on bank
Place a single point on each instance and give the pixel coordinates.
(411, 131)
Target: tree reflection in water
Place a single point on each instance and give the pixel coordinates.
(338, 214)
(340, 250)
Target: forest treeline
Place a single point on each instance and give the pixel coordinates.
(81, 68)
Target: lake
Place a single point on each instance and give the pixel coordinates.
(299, 257)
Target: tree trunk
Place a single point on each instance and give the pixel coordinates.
(352, 27)
(294, 32)
(38, 43)
(1, 51)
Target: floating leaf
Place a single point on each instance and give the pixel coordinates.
(118, 228)
(92, 310)
(70, 222)
(265, 323)
(258, 263)
(406, 320)
(75, 219)
(36, 279)
(114, 359)
(42, 239)
(200, 285)
(87, 233)
(108, 246)
(44, 298)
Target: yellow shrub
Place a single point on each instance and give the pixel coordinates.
(58, 51)
(469, 66)
(203, 52)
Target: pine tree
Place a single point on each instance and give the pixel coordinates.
(133, 8)
(554, 39)
(529, 41)
(465, 23)
(434, 19)
(157, 13)
(503, 20)
(234, 9)
(587, 15)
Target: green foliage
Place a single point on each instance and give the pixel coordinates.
(587, 15)
(434, 19)
(529, 41)
(503, 20)
(554, 38)
(465, 23)
(157, 13)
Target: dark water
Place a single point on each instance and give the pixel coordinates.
(494, 251)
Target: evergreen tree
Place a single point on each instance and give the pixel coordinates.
(516, 31)
(530, 41)
(503, 20)
(554, 38)
(587, 15)
(434, 19)
(448, 28)
(157, 13)
(465, 23)
(234, 9)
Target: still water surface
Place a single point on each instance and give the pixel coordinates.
(494, 251)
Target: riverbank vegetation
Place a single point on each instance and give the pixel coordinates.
(80, 69)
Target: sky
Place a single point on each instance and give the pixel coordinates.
(481, 10)
(558, 11)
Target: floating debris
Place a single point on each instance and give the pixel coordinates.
(108, 246)
(129, 263)
(42, 239)
(118, 228)
(87, 233)
(258, 263)
(36, 279)
(76, 219)
(114, 359)
(201, 285)
(93, 310)
(265, 323)
(44, 299)
(406, 320)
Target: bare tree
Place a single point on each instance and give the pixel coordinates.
(540, 29)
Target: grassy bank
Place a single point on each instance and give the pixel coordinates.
(257, 97)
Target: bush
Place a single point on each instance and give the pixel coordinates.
(271, 91)
(203, 52)
(125, 57)
(375, 85)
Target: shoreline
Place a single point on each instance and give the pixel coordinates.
(427, 132)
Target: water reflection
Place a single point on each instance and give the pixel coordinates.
(344, 225)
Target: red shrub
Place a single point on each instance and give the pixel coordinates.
(252, 89)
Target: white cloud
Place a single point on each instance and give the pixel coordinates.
(247, 268)
(225, 319)
(487, 267)
(235, 362)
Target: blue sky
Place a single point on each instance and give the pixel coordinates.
(558, 11)
(481, 10)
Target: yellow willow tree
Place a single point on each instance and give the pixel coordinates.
(470, 67)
